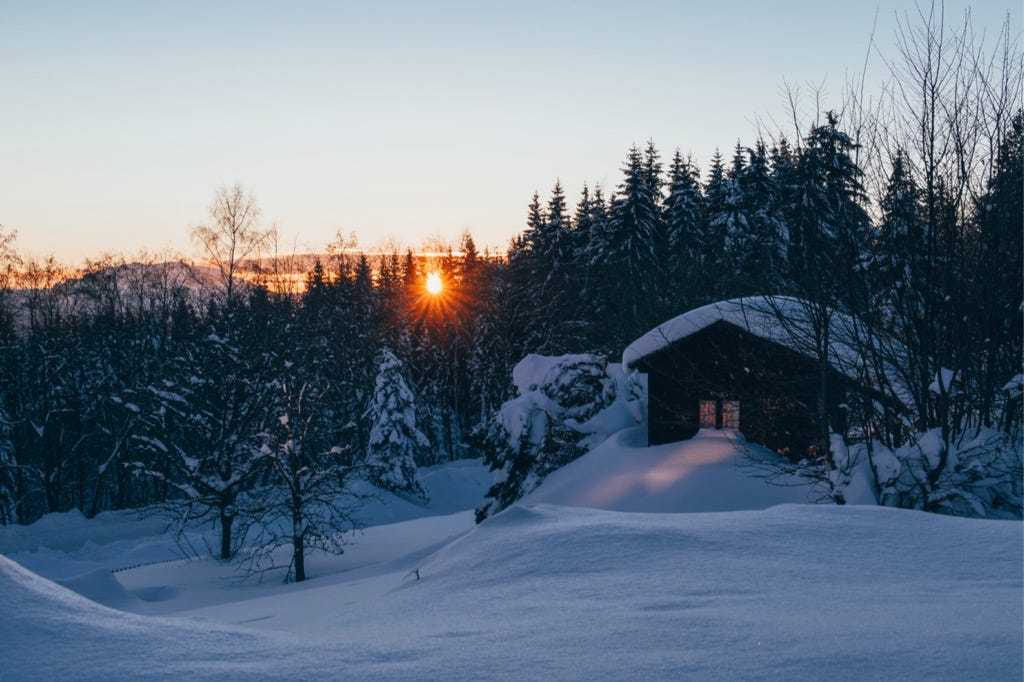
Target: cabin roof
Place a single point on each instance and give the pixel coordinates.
(779, 319)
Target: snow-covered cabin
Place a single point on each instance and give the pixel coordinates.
(750, 364)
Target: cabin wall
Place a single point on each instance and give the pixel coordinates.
(670, 417)
(777, 388)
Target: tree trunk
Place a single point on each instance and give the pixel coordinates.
(299, 557)
(821, 406)
(227, 518)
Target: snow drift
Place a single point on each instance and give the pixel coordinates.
(797, 591)
(714, 471)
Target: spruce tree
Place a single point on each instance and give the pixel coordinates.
(829, 229)
(628, 255)
(653, 170)
(684, 209)
(828, 222)
(395, 442)
(719, 203)
(994, 294)
(900, 231)
(591, 227)
(758, 246)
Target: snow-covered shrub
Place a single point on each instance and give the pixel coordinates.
(861, 473)
(395, 439)
(980, 475)
(566, 406)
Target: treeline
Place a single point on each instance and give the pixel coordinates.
(143, 368)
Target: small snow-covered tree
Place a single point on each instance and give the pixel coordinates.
(566, 405)
(307, 504)
(200, 429)
(395, 439)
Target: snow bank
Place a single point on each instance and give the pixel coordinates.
(794, 592)
(49, 632)
(557, 592)
(714, 471)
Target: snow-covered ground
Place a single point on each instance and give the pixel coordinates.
(558, 587)
(714, 471)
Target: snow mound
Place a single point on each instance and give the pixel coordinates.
(713, 471)
(793, 592)
(50, 632)
(71, 531)
(99, 586)
(456, 486)
(550, 592)
(451, 487)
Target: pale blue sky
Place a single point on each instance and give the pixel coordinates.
(392, 119)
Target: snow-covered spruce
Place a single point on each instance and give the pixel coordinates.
(566, 405)
(395, 439)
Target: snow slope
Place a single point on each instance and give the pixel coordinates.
(121, 560)
(545, 592)
(713, 471)
(542, 591)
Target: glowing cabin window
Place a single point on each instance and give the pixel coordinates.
(707, 414)
(730, 414)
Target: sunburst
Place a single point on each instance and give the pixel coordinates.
(434, 284)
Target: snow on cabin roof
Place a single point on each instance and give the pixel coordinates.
(782, 320)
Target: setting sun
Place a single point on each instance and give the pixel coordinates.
(434, 285)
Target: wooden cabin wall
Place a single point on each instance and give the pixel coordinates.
(777, 388)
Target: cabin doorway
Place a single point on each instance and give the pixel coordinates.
(719, 414)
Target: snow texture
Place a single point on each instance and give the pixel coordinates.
(548, 592)
(541, 591)
(714, 471)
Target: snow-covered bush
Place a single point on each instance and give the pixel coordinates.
(395, 439)
(979, 476)
(566, 406)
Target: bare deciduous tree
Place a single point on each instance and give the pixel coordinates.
(309, 504)
(233, 236)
